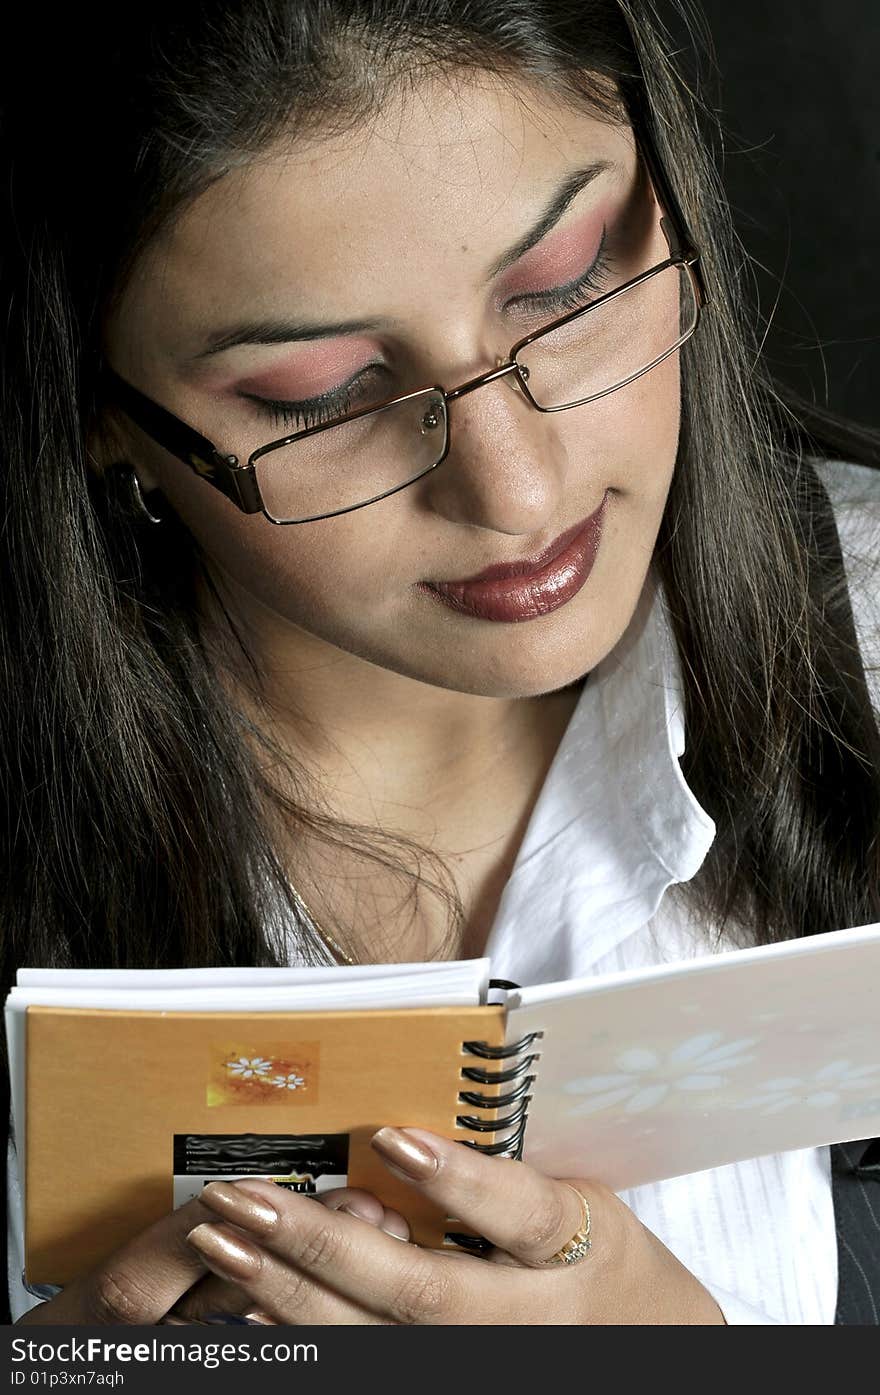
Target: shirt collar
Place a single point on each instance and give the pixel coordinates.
(615, 823)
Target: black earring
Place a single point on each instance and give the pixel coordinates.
(132, 494)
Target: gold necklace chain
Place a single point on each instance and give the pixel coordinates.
(319, 930)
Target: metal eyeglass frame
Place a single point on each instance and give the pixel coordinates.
(239, 482)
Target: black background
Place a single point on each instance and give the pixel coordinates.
(799, 100)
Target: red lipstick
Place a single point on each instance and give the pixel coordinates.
(511, 592)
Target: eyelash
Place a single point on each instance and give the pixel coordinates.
(571, 297)
(316, 410)
(341, 400)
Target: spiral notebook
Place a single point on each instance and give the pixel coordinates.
(133, 1089)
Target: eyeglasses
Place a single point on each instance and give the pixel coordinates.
(365, 455)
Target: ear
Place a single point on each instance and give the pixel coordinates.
(108, 441)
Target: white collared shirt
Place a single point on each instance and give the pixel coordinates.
(614, 829)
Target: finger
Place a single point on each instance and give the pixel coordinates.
(253, 1208)
(211, 1297)
(358, 1202)
(139, 1282)
(281, 1292)
(396, 1225)
(518, 1209)
(251, 1318)
(293, 1246)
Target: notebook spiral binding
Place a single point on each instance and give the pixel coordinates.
(512, 1126)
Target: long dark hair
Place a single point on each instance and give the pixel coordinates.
(139, 826)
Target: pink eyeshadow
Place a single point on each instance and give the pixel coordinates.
(561, 256)
(307, 370)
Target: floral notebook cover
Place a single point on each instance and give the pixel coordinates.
(654, 1073)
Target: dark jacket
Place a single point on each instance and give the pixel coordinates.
(855, 1179)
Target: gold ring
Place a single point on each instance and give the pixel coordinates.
(578, 1246)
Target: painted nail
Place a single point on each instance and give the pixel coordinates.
(414, 1160)
(228, 1257)
(244, 1208)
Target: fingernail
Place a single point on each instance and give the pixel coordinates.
(244, 1208)
(414, 1160)
(228, 1257)
(226, 1319)
(260, 1319)
(389, 1229)
(353, 1208)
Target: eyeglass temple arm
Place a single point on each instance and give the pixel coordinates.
(678, 235)
(235, 481)
(675, 228)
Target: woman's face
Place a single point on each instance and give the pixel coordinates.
(402, 224)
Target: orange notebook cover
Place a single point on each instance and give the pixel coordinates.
(129, 1113)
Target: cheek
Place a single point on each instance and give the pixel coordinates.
(654, 411)
(317, 573)
(629, 439)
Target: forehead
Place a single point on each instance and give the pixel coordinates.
(447, 172)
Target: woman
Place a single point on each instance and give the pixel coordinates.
(276, 711)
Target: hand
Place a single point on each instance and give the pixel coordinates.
(301, 1264)
(138, 1283)
(158, 1272)
(214, 1300)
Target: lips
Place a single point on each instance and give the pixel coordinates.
(529, 567)
(523, 590)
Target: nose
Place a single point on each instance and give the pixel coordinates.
(506, 465)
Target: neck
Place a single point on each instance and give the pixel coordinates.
(456, 773)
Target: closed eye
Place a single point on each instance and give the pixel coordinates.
(574, 294)
(367, 386)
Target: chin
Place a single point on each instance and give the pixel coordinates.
(497, 679)
(524, 660)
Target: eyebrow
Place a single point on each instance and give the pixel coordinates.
(294, 331)
(564, 196)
